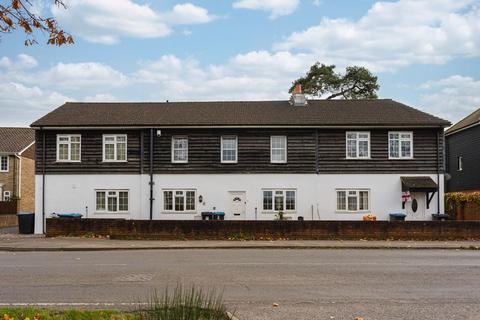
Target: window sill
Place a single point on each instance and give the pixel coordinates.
(369, 158)
(68, 161)
(401, 158)
(276, 212)
(229, 162)
(353, 212)
(179, 212)
(114, 161)
(112, 213)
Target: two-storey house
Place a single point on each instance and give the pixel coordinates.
(17, 168)
(315, 159)
(463, 154)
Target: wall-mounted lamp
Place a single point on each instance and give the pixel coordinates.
(200, 198)
(159, 133)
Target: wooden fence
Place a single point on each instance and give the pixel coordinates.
(8, 207)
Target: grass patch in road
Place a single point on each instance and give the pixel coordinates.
(180, 304)
(53, 314)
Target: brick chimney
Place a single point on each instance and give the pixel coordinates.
(298, 97)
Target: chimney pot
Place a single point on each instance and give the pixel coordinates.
(298, 88)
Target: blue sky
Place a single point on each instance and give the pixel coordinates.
(425, 52)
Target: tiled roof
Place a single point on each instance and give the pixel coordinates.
(469, 120)
(14, 140)
(381, 112)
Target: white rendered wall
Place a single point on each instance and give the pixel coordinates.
(73, 193)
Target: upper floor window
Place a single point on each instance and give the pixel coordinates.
(460, 163)
(353, 200)
(179, 200)
(279, 200)
(111, 201)
(114, 147)
(180, 149)
(3, 163)
(358, 145)
(68, 147)
(278, 149)
(400, 145)
(229, 149)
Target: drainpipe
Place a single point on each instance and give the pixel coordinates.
(151, 174)
(43, 179)
(19, 176)
(438, 171)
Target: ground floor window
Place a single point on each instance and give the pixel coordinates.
(279, 200)
(111, 201)
(179, 200)
(353, 200)
(7, 196)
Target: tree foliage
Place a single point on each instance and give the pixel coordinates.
(18, 14)
(322, 80)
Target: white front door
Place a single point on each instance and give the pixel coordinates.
(238, 202)
(416, 207)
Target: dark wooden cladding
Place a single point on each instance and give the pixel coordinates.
(465, 144)
(253, 151)
(309, 151)
(91, 153)
(332, 153)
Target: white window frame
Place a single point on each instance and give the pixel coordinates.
(400, 139)
(184, 200)
(8, 163)
(284, 191)
(285, 151)
(459, 163)
(357, 191)
(357, 139)
(173, 149)
(117, 191)
(115, 148)
(69, 143)
(222, 148)
(7, 196)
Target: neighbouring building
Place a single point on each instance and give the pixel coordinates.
(17, 168)
(315, 159)
(463, 154)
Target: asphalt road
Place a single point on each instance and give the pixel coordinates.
(306, 284)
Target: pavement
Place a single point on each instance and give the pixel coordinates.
(258, 284)
(16, 242)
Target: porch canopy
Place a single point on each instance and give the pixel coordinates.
(420, 184)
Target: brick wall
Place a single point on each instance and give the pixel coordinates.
(27, 196)
(250, 230)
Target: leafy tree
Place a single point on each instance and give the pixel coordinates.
(18, 14)
(356, 83)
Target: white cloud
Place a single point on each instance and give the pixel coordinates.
(276, 8)
(395, 34)
(26, 62)
(254, 75)
(78, 76)
(188, 13)
(23, 61)
(100, 97)
(21, 105)
(107, 21)
(452, 98)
